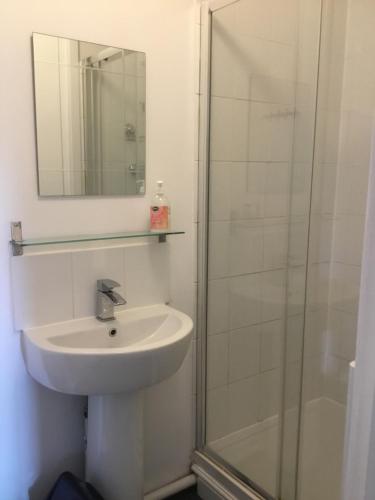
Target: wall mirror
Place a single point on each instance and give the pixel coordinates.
(90, 105)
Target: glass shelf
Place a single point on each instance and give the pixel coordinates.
(18, 243)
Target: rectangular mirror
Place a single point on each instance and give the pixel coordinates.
(90, 104)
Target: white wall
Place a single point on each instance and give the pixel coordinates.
(35, 443)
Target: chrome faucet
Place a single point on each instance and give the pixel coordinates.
(107, 299)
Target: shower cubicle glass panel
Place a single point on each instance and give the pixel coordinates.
(263, 92)
(291, 107)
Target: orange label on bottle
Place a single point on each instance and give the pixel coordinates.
(159, 218)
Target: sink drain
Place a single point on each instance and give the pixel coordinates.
(112, 332)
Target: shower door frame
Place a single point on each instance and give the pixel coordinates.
(212, 469)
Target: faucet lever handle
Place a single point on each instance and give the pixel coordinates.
(106, 285)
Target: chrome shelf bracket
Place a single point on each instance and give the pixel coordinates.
(16, 238)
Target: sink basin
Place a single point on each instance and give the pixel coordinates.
(141, 347)
(111, 362)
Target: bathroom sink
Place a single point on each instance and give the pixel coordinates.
(141, 347)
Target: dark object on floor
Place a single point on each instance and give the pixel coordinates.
(189, 494)
(69, 487)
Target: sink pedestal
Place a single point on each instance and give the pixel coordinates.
(114, 456)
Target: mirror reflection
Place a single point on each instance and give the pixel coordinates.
(90, 103)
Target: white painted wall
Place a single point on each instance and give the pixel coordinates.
(39, 430)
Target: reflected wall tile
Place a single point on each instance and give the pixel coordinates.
(244, 349)
(219, 242)
(275, 244)
(236, 191)
(344, 291)
(271, 344)
(217, 413)
(218, 306)
(292, 385)
(269, 393)
(243, 403)
(245, 300)
(298, 241)
(336, 373)
(270, 132)
(294, 338)
(273, 294)
(256, 184)
(315, 332)
(342, 334)
(229, 129)
(245, 247)
(313, 379)
(348, 239)
(276, 198)
(51, 182)
(217, 360)
(303, 138)
(352, 189)
(300, 188)
(355, 139)
(296, 290)
(271, 89)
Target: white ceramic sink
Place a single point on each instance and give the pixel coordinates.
(85, 357)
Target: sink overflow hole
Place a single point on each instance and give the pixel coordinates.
(112, 332)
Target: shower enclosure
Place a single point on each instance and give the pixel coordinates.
(287, 99)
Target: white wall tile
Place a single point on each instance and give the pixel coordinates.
(147, 274)
(269, 393)
(42, 289)
(90, 266)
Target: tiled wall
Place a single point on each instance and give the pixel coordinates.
(355, 148)
(59, 286)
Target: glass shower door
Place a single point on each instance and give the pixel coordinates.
(264, 69)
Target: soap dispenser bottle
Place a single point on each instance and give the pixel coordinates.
(160, 210)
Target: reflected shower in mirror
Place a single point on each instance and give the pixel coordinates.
(90, 104)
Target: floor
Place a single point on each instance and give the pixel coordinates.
(189, 494)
